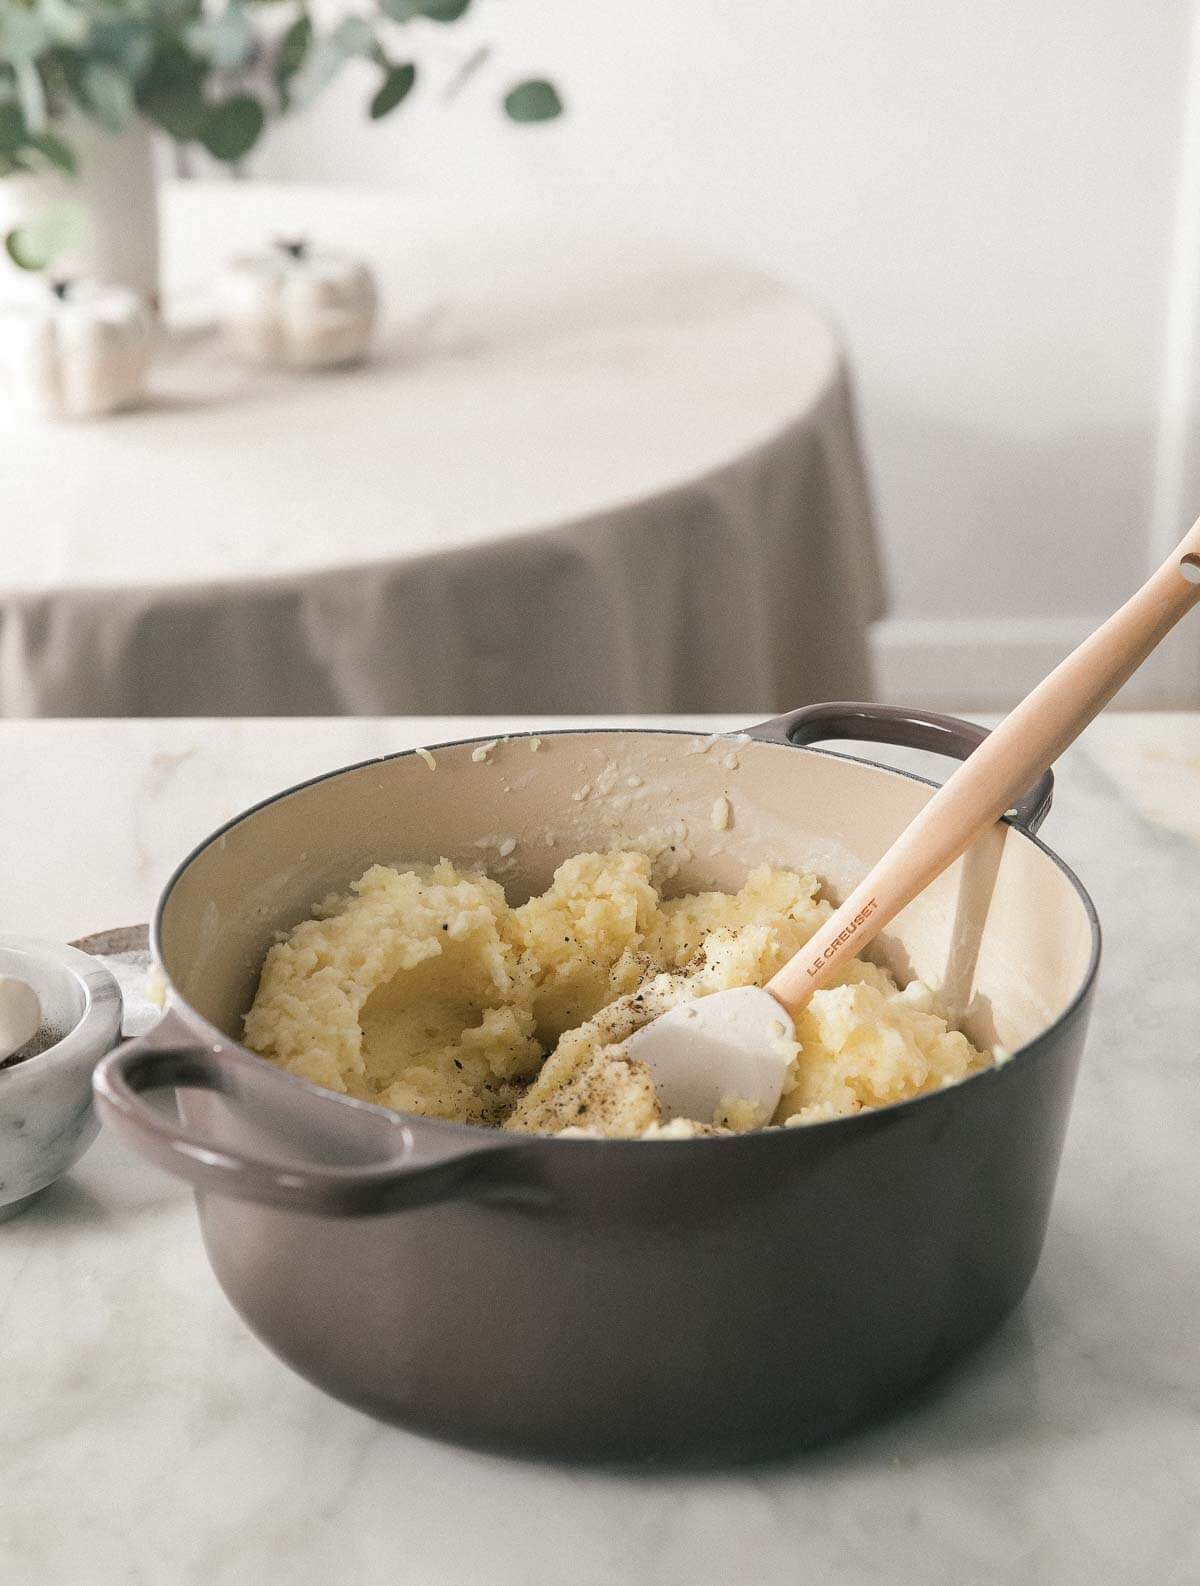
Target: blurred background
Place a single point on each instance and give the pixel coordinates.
(810, 349)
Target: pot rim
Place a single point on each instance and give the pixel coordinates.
(197, 1023)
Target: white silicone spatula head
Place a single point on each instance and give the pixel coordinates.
(728, 1043)
(20, 1015)
(734, 1046)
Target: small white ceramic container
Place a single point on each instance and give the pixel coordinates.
(296, 308)
(47, 1120)
(76, 352)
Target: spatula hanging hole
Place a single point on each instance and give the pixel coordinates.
(1189, 566)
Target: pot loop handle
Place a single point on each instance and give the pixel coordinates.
(414, 1168)
(910, 729)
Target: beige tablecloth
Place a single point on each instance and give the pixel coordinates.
(582, 474)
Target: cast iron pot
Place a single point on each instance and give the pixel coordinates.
(702, 1300)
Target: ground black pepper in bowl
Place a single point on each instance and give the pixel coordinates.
(45, 1038)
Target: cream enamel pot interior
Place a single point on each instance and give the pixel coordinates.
(700, 1300)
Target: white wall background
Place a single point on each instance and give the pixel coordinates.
(995, 202)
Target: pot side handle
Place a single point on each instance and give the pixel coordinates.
(907, 727)
(415, 1168)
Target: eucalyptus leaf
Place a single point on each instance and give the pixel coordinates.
(51, 147)
(475, 61)
(109, 95)
(180, 110)
(31, 94)
(432, 10)
(535, 100)
(13, 136)
(173, 64)
(66, 23)
(293, 49)
(397, 85)
(54, 230)
(232, 128)
(351, 37)
(174, 13)
(19, 249)
(126, 43)
(226, 41)
(23, 33)
(172, 93)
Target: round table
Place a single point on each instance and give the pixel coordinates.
(581, 473)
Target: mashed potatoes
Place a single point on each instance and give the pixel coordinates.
(424, 991)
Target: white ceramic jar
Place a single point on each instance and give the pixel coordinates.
(295, 308)
(76, 351)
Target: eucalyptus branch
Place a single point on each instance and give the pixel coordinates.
(212, 79)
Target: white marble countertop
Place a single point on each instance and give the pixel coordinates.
(146, 1437)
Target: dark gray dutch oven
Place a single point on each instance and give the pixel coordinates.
(699, 1300)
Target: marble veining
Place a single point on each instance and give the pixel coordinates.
(146, 1437)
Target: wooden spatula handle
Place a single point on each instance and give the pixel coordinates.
(1028, 741)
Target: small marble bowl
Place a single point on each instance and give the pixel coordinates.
(46, 1117)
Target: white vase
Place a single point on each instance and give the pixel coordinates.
(118, 195)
